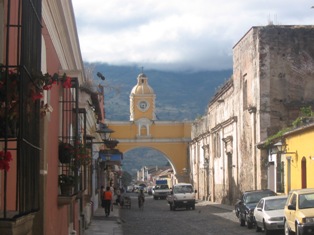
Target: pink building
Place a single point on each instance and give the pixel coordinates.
(49, 182)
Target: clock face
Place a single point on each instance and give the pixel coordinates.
(143, 105)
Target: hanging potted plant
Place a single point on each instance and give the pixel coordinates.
(82, 156)
(66, 183)
(66, 152)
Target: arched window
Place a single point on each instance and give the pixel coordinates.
(143, 131)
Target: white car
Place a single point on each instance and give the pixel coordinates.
(182, 196)
(269, 213)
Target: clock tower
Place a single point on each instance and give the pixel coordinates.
(142, 101)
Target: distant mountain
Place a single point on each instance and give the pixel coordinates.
(179, 95)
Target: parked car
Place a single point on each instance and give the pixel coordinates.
(268, 213)
(299, 212)
(244, 208)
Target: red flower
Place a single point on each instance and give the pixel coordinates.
(5, 158)
(67, 82)
(47, 87)
(37, 96)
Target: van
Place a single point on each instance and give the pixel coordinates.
(182, 195)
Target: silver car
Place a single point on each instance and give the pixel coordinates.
(269, 213)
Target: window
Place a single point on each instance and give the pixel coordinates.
(260, 204)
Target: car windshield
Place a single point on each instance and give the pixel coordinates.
(162, 186)
(183, 189)
(275, 204)
(306, 201)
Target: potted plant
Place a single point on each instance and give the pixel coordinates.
(66, 152)
(66, 183)
(82, 156)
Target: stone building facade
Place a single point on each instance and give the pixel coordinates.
(272, 78)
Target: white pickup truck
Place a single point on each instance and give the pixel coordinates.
(182, 196)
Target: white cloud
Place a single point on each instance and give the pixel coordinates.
(196, 34)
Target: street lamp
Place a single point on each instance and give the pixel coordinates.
(280, 147)
(104, 131)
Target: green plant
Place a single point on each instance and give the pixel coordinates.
(66, 183)
(68, 180)
(66, 152)
(278, 135)
(305, 112)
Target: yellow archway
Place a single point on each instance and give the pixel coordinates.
(170, 138)
(143, 130)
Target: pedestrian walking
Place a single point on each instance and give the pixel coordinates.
(141, 199)
(107, 200)
(102, 190)
(118, 199)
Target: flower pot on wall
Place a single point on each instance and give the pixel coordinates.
(66, 183)
(66, 190)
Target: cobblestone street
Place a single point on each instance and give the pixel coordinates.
(156, 219)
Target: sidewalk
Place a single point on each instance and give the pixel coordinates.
(102, 225)
(222, 206)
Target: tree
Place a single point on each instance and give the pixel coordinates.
(126, 178)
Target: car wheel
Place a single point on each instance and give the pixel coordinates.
(242, 221)
(258, 228)
(297, 231)
(287, 230)
(249, 225)
(267, 232)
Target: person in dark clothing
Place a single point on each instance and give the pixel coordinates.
(107, 196)
(141, 199)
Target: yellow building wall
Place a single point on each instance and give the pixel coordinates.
(302, 143)
(129, 130)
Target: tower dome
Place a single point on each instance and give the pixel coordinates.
(142, 87)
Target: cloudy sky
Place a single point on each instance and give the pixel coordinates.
(177, 34)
